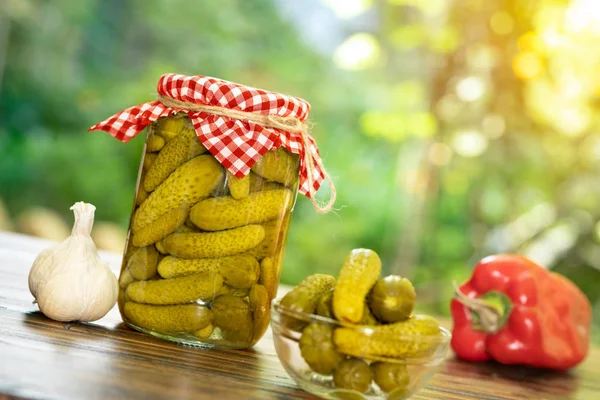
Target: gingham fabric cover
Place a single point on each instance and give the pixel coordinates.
(236, 144)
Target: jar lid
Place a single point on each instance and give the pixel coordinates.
(238, 124)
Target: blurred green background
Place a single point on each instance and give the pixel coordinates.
(453, 129)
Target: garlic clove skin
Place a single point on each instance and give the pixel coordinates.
(69, 280)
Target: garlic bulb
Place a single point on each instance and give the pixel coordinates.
(69, 281)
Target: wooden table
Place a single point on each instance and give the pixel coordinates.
(43, 359)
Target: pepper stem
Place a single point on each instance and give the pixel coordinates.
(489, 311)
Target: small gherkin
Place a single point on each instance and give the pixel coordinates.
(219, 213)
(306, 294)
(324, 308)
(175, 153)
(392, 299)
(181, 290)
(279, 166)
(161, 227)
(382, 340)
(142, 263)
(272, 239)
(188, 184)
(213, 244)
(154, 143)
(231, 291)
(238, 187)
(318, 350)
(353, 374)
(261, 310)
(359, 273)
(170, 127)
(172, 318)
(149, 159)
(390, 376)
(269, 276)
(233, 316)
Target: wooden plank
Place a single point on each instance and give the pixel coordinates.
(40, 358)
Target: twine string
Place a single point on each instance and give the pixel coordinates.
(310, 159)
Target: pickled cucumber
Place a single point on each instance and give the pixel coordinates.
(358, 274)
(268, 276)
(160, 228)
(234, 317)
(188, 184)
(175, 153)
(261, 310)
(353, 374)
(190, 224)
(240, 338)
(214, 244)
(154, 143)
(368, 318)
(205, 332)
(306, 294)
(175, 318)
(238, 187)
(324, 307)
(231, 291)
(279, 166)
(171, 126)
(390, 376)
(142, 263)
(171, 267)
(125, 279)
(160, 247)
(392, 299)
(269, 244)
(258, 183)
(203, 286)
(318, 350)
(230, 312)
(384, 340)
(239, 271)
(149, 159)
(185, 228)
(219, 213)
(141, 196)
(121, 300)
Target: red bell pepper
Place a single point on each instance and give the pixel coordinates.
(515, 312)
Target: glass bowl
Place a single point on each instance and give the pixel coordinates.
(423, 355)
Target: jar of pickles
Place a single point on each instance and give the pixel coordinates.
(217, 183)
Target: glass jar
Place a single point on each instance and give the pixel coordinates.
(204, 248)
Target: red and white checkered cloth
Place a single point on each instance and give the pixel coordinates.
(236, 144)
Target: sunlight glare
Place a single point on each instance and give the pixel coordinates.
(552, 39)
(346, 9)
(573, 121)
(469, 143)
(583, 16)
(359, 51)
(470, 89)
